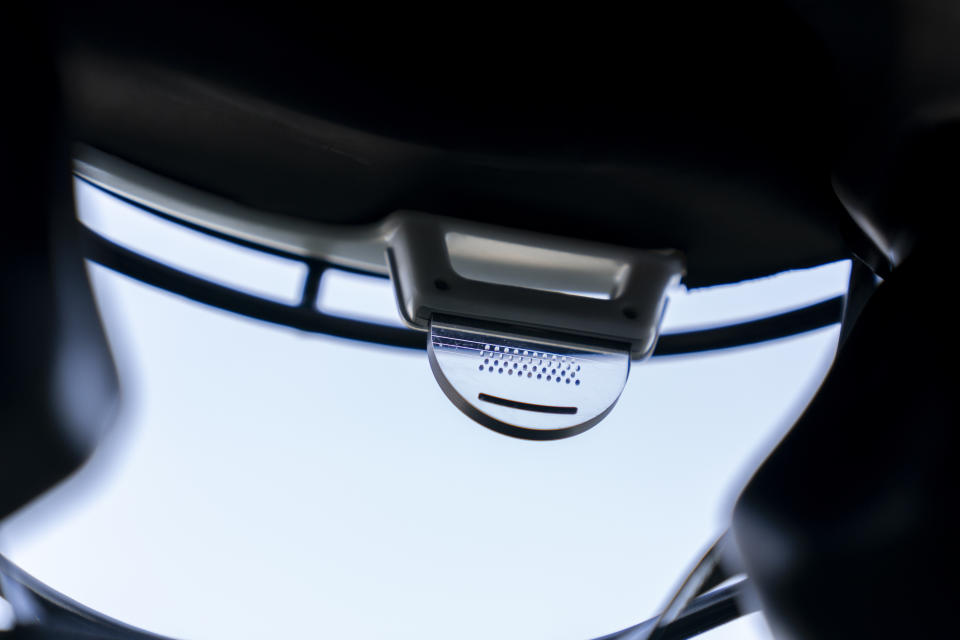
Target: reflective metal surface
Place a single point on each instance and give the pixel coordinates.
(526, 386)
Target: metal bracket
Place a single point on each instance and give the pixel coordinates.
(449, 267)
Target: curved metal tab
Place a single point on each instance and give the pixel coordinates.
(528, 387)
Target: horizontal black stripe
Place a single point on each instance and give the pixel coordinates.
(815, 316)
(526, 406)
(303, 317)
(306, 318)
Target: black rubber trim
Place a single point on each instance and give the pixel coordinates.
(306, 318)
(311, 262)
(815, 316)
(704, 612)
(50, 615)
(53, 615)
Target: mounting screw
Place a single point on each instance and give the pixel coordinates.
(441, 284)
(630, 313)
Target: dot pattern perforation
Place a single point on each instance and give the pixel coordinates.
(532, 387)
(528, 365)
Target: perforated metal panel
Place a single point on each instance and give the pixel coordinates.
(528, 387)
